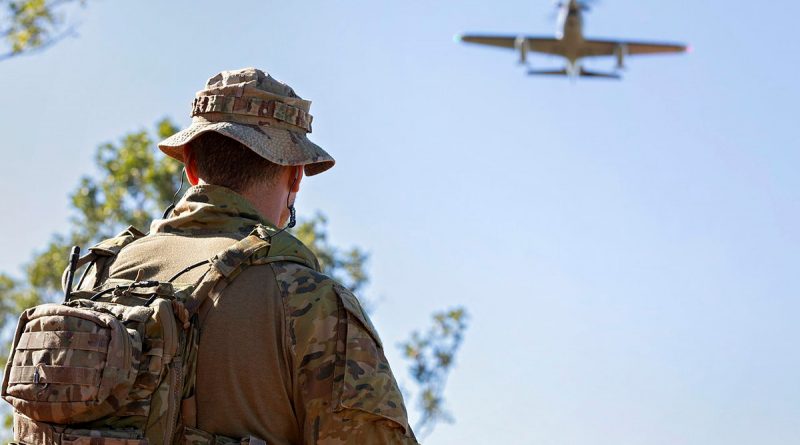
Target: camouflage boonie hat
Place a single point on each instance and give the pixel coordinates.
(262, 113)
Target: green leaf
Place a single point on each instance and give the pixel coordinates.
(29, 25)
(432, 356)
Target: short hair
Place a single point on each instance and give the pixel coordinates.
(229, 163)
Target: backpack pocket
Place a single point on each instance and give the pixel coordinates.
(73, 364)
(30, 432)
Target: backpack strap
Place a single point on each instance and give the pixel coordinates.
(100, 257)
(224, 268)
(254, 249)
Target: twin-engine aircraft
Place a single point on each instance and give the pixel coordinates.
(570, 44)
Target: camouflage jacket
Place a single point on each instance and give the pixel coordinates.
(286, 353)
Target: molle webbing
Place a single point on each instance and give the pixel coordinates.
(141, 344)
(62, 375)
(85, 341)
(30, 432)
(253, 106)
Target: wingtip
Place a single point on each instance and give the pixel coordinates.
(689, 48)
(458, 38)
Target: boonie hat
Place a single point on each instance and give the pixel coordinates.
(262, 113)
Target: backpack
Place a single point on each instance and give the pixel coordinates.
(114, 364)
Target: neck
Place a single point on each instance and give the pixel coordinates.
(269, 201)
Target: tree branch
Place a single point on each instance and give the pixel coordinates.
(72, 30)
(34, 27)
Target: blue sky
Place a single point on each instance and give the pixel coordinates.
(627, 250)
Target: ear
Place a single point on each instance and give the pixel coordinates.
(190, 162)
(295, 176)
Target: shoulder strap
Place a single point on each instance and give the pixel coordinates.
(112, 246)
(101, 255)
(285, 247)
(255, 248)
(227, 265)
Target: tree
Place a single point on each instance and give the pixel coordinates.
(31, 25)
(133, 185)
(432, 356)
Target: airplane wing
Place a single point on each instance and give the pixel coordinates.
(593, 48)
(546, 45)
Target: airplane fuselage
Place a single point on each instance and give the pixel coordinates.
(570, 22)
(570, 32)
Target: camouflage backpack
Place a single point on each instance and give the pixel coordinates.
(115, 364)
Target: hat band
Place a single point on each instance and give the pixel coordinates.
(251, 106)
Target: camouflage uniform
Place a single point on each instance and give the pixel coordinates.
(270, 348)
(286, 353)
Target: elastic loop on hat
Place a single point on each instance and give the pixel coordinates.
(267, 108)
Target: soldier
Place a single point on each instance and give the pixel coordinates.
(286, 353)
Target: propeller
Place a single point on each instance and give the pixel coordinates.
(553, 14)
(584, 5)
(587, 5)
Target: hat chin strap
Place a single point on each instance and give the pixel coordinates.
(292, 212)
(292, 217)
(290, 206)
(175, 196)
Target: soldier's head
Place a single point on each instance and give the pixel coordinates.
(249, 133)
(212, 158)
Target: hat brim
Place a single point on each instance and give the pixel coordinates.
(278, 145)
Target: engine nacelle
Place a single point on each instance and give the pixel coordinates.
(621, 51)
(522, 46)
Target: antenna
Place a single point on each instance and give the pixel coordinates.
(73, 264)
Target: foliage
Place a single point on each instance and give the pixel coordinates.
(30, 25)
(346, 267)
(133, 185)
(432, 356)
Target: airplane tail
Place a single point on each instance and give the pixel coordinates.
(547, 72)
(582, 73)
(595, 74)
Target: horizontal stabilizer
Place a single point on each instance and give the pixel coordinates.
(585, 73)
(582, 73)
(547, 72)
